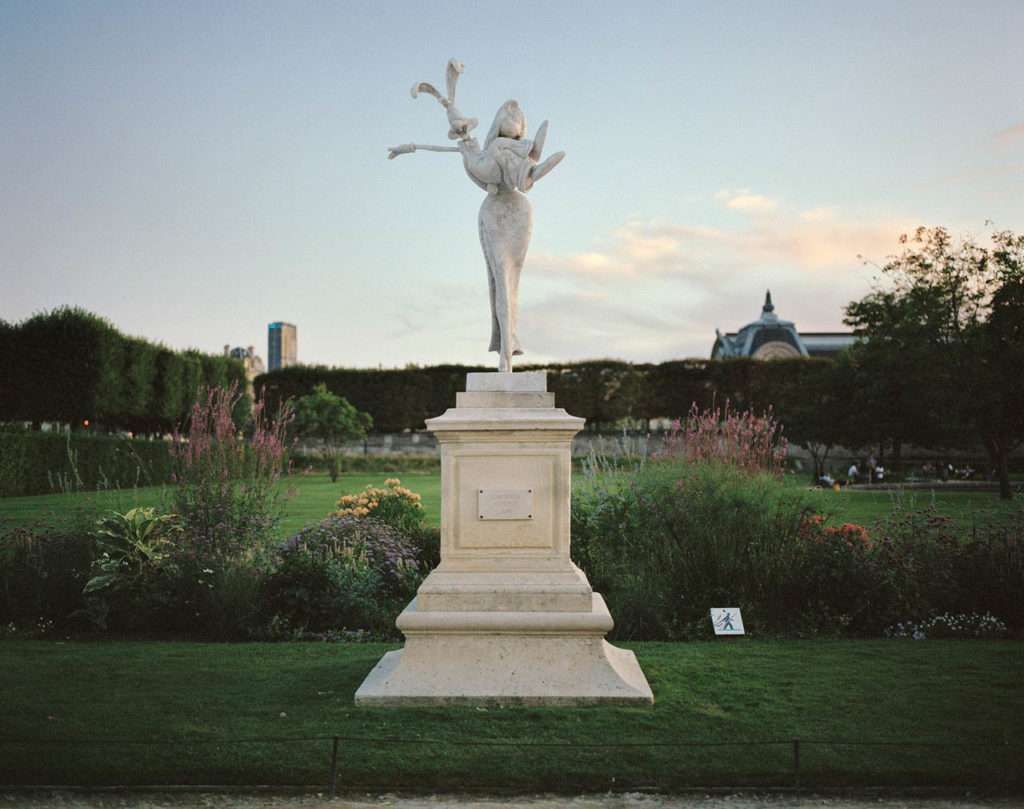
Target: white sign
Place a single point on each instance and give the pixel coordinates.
(506, 504)
(727, 620)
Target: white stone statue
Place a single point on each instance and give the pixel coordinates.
(506, 167)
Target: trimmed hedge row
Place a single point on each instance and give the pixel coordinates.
(604, 392)
(70, 366)
(383, 464)
(37, 463)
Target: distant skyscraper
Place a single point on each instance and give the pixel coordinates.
(282, 346)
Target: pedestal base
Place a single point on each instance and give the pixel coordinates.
(506, 617)
(510, 658)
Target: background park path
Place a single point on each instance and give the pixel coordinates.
(66, 800)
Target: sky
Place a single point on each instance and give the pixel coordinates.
(193, 171)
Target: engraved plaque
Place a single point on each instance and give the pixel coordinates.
(506, 504)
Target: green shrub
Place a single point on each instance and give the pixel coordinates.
(840, 585)
(937, 567)
(132, 563)
(40, 463)
(668, 541)
(197, 571)
(345, 572)
(399, 508)
(226, 501)
(992, 573)
(42, 574)
(127, 544)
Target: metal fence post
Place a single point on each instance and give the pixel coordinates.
(334, 767)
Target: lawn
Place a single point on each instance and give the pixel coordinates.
(317, 495)
(892, 713)
(865, 507)
(314, 499)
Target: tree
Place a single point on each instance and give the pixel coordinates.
(904, 390)
(944, 347)
(813, 399)
(330, 420)
(66, 368)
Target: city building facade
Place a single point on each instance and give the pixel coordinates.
(282, 345)
(768, 337)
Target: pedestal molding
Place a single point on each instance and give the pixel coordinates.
(506, 617)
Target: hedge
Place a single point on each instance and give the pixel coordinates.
(36, 463)
(70, 366)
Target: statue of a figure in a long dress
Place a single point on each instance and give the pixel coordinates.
(506, 168)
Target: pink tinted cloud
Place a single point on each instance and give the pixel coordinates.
(1012, 134)
(657, 289)
(812, 241)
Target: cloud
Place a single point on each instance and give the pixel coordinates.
(657, 289)
(1000, 170)
(1014, 133)
(746, 202)
(820, 214)
(585, 325)
(813, 241)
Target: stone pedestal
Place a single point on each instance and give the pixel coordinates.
(506, 617)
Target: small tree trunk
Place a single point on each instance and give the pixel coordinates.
(1003, 472)
(998, 455)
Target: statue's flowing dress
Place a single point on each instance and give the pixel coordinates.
(506, 222)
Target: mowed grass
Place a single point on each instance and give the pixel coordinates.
(316, 497)
(876, 712)
(865, 507)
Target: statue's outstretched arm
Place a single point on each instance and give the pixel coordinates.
(409, 148)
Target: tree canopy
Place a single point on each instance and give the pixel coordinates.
(943, 355)
(330, 419)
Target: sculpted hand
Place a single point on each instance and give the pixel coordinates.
(405, 148)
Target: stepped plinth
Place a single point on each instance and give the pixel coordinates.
(506, 617)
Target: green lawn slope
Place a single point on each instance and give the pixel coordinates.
(892, 713)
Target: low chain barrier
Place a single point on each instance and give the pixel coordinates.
(797, 745)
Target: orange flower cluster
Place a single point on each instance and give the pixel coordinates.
(813, 528)
(360, 505)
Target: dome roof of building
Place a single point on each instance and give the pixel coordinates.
(770, 337)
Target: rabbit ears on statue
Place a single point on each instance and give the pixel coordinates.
(455, 69)
(459, 125)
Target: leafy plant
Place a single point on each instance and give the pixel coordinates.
(127, 544)
(344, 572)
